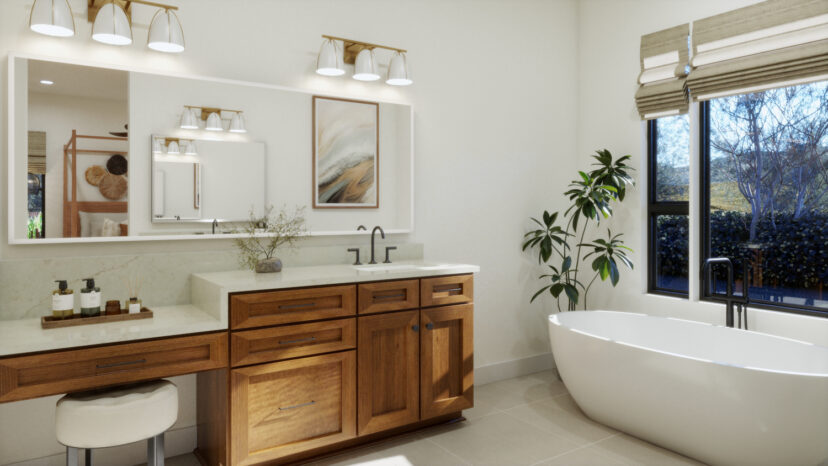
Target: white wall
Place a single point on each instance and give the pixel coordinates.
(58, 115)
(495, 98)
(608, 69)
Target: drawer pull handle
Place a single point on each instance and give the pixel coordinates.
(449, 290)
(389, 296)
(300, 340)
(296, 306)
(124, 363)
(297, 406)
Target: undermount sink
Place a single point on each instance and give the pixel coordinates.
(376, 268)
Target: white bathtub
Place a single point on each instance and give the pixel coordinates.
(716, 394)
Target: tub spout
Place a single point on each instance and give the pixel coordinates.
(729, 298)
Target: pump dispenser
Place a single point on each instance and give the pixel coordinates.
(63, 301)
(90, 299)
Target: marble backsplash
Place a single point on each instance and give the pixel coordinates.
(26, 285)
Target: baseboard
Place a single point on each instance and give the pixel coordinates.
(515, 368)
(176, 442)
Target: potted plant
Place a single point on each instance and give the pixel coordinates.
(265, 235)
(591, 197)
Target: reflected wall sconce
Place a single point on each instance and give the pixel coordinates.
(173, 146)
(52, 18)
(331, 59)
(211, 116)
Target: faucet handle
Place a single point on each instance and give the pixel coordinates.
(388, 249)
(355, 250)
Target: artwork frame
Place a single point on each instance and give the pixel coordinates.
(345, 189)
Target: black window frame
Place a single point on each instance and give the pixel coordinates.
(656, 208)
(704, 292)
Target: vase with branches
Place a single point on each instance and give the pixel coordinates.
(591, 199)
(266, 234)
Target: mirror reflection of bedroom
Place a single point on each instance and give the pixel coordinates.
(77, 151)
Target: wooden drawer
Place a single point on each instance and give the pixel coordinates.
(291, 341)
(287, 407)
(74, 370)
(290, 306)
(389, 296)
(439, 291)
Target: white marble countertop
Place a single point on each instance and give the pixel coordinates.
(26, 335)
(209, 309)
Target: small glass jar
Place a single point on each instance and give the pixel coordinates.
(133, 305)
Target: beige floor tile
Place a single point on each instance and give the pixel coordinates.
(585, 456)
(569, 423)
(182, 460)
(498, 439)
(401, 451)
(631, 450)
(509, 393)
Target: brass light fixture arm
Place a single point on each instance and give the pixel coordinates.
(206, 111)
(352, 47)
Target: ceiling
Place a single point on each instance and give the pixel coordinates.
(79, 81)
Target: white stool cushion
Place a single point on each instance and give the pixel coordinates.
(106, 418)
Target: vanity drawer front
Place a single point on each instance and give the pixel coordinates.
(389, 296)
(75, 370)
(250, 310)
(287, 407)
(455, 289)
(292, 341)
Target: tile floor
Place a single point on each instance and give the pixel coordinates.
(528, 420)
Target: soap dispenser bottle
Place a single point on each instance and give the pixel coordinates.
(90, 299)
(63, 301)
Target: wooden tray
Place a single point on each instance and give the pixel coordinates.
(76, 319)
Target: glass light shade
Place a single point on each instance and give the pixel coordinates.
(398, 71)
(52, 18)
(365, 66)
(165, 33)
(112, 26)
(237, 123)
(329, 61)
(190, 148)
(173, 149)
(214, 123)
(157, 146)
(188, 119)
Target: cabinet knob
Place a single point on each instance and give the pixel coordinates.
(416, 328)
(430, 326)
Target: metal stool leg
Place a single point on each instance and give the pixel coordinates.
(155, 450)
(88, 457)
(71, 456)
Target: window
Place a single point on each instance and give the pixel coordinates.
(669, 191)
(765, 194)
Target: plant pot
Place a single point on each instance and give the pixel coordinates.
(269, 265)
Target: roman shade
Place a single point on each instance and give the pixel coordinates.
(37, 152)
(774, 43)
(664, 65)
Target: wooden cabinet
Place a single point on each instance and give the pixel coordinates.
(286, 407)
(82, 369)
(442, 291)
(248, 310)
(292, 341)
(387, 296)
(388, 368)
(446, 360)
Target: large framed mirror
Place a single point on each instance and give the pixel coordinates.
(89, 156)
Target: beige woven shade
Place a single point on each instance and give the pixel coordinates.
(37, 152)
(664, 64)
(770, 44)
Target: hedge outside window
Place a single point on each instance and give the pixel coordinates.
(765, 193)
(669, 189)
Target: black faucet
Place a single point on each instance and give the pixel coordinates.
(729, 298)
(373, 233)
(215, 225)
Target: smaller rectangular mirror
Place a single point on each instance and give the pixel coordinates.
(202, 180)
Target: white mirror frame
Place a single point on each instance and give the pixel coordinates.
(12, 239)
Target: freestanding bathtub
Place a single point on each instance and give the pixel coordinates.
(716, 394)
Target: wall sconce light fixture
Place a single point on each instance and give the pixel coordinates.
(52, 18)
(212, 119)
(361, 55)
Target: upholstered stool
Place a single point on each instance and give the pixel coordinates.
(117, 416)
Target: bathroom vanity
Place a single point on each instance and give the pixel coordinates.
(290, 365)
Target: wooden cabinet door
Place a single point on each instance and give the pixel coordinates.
(287, 407)
(446, 360)
(388, 371)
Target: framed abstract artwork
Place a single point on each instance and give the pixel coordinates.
(345, 153)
